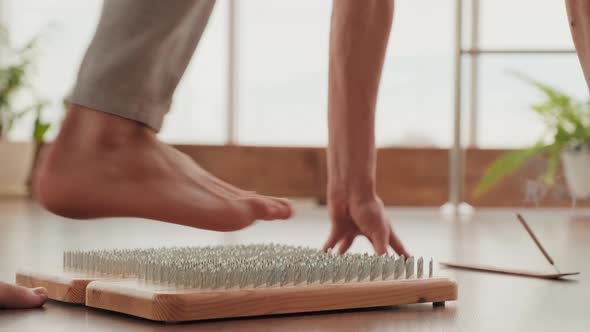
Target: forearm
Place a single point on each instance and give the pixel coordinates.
(358, 40)
(578, 12)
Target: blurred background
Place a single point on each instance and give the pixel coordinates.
(256, 91)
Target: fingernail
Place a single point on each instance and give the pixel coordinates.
(41, 291)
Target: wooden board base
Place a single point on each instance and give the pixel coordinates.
(170, 304)
(64, 286)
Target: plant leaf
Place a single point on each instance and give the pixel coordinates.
(39, 131)
(552, 163)
(506, 165)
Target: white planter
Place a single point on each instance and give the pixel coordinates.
(576, 166)
(16, 159)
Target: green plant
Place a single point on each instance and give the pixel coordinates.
(568, 125)
(13, 81)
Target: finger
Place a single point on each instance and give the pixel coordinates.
(332, 240)
(379, 240)
(345, 244)
(397, 245)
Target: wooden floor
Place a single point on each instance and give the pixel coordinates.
(30, 237)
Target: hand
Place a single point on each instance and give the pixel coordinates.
(365, 217)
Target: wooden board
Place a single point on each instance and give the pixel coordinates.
(61, 285)
(167, 304)
(170, 304)
(520, 273)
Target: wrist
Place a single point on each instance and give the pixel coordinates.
(351, 175)
(352, 190)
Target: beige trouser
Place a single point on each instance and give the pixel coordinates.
(137, 56)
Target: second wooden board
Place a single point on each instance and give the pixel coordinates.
(163, 303)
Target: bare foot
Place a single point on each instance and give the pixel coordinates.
(18, 297)
(102, 165)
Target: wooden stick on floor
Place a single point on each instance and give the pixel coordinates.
(539, 245)
(513, 272)
(522, 273)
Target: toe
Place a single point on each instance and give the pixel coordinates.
(259, 207)
(281, 207)
(267, 209)
(18, 297)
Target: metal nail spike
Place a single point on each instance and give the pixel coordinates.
(388, 267)
(420, 268)
(399, 267)
(339, 272)
(376, 268)
(364, 269)
(241, 266)
(410, 267)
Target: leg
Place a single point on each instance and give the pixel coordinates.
(106, 160)
(18, 297)
(578, 12)
(137, 56)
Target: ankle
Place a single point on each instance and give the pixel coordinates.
(86, 126)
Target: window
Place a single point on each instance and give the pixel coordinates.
(283, 66)
(524, 24)
(67, 26)
(504, 102)
(415, 99)
(199, 110)
(506, 119)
